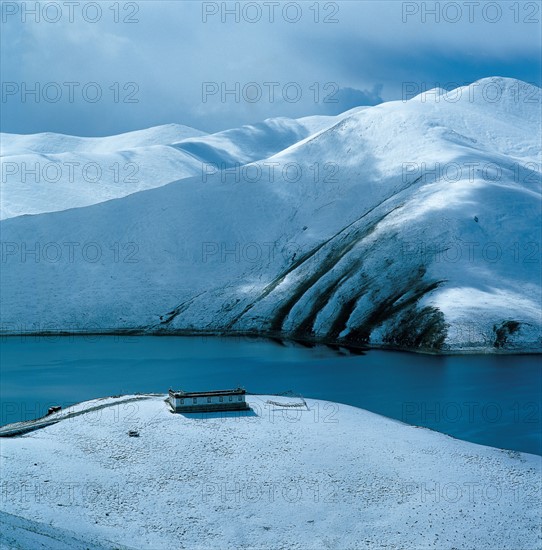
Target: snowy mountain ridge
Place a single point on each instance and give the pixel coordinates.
(412, 224)
(50, 172)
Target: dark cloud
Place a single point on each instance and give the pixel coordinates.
(363, 58)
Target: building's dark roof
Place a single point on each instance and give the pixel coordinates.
(184, 394)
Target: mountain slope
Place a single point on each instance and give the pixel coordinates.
(51, 172)
(49, 143)
(409, 224)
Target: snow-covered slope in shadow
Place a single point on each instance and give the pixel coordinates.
(19, 533)
(409, 224)
(248, 143)
(254, 142)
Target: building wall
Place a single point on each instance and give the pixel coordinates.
(212, 403)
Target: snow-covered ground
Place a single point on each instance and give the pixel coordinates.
(320, 476)
(412, 225)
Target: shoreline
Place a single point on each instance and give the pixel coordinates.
(76, 409)
(281, 339)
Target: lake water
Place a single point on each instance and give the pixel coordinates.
(492, 400)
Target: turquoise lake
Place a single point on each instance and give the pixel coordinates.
(486, 399)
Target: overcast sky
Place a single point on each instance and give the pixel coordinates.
(110, 67)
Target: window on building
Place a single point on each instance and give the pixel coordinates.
(221, 399)
(231, 398)
(239, 398)
(194, 400)
(182, 401)
(208, 400)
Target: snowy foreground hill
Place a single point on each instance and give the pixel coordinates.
(412, 224)
(314, 476)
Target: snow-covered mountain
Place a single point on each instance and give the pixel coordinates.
(409, 224)
(51, 172)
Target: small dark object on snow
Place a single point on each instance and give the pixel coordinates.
(53, 409)
(133, 433)
(476, 219)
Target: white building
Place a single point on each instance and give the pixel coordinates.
(208, 401)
